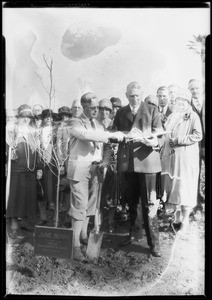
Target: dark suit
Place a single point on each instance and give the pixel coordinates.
(164, 117)
(202, 152)
(200, 114)
(140, 164)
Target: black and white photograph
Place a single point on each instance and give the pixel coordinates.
(105, 150)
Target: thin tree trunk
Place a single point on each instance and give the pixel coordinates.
(8, 175)
(57, 199)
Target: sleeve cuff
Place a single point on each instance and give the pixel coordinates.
(156, 148)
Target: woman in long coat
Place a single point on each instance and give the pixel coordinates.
(22, 198)
(180, 161)
(48, 137)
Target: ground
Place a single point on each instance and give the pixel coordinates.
(119, 271)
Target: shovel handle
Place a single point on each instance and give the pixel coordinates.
(97, 212)
(97, 220)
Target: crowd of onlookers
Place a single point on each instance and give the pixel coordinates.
(146, 152)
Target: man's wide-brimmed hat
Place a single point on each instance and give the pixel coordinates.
(24, 111)
(64, 110)
(116, 102)
(48, 113)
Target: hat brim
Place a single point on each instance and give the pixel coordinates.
(65, 114)
(183, 98)
(37, 117)
(47, 115)
(108, 108)
(24, 115)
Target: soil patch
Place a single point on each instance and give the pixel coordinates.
(119, 271)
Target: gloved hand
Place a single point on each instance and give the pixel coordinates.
(62, 170)
(39, 174)
(173, 142)
(14, 155)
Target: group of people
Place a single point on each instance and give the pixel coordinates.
(154, 146)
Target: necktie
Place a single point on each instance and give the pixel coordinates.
(96, 144)
(92, 124)
(134, 114)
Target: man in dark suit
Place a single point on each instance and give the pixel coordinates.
(163, 103)
(139, 160)
(197, 105)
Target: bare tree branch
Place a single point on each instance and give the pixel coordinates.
(41, 80)
(51, 90)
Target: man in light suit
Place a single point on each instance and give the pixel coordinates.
(87, 156)
(140, 161)
(173, 93)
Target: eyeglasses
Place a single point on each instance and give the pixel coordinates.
(94, 107)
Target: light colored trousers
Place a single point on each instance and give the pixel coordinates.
(84, 194)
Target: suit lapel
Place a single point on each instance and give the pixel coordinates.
(195, 109)
(168, 112)
(85, 121)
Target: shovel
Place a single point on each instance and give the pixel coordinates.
(95, 236)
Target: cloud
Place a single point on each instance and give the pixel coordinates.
(99, 50)
(83, 40)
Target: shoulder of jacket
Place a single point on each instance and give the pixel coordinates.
(74, 121)
(123, 110)
(147, 108)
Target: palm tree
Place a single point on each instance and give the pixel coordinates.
(198, 46)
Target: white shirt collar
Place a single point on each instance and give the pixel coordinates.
(197, 102)
(164, 109)
(135, 110)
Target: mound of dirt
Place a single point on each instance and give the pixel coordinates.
(129, 270)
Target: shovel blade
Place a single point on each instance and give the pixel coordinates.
(94, 244)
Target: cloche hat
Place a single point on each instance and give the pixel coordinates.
(105, 103)
(116, 102)
(64, 110)
(48, 113)
(24, 111)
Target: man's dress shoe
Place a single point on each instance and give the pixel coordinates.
(155, 252)
(129, 240)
